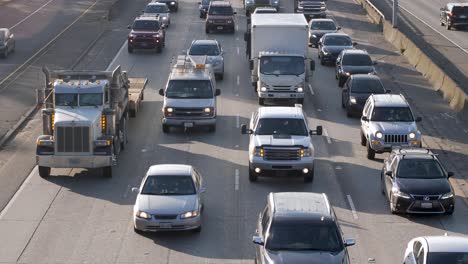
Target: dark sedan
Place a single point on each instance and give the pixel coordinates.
(319, 27)
(173, 5)
(357, 89)
(7, 42)
(331, 45)
(414, 181)
(351, 62)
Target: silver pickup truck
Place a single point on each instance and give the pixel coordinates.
(280, 143)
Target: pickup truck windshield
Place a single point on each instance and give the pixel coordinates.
(67, 99)
(189, 89)
(91, 99)
(148, 25)
(281, 126)
(392, 114)
(220, 11)
(282, 65)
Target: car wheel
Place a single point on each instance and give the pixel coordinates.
(441, 22)
(130, 50)
(220, 76)
(342, 102)
(261, 101)
(340, 81)
(138, 231)
(212, 128)
(197, 230)
(382, 183)
(165, 128)
(107, 172)
(322, 62)
(310, 176)
(159, 49)
(207, 30)
(363, 139)
(348, 112)
(448, 26)
(370, 151)
(253, 177)
(44, 172)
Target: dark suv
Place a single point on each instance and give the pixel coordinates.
(454, 14)
(220, 17)
(414, 181)
(299, 228)
(147, 32)
(353, 61)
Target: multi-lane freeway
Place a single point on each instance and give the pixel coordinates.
(77, 216)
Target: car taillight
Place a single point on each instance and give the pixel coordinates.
(451, 14)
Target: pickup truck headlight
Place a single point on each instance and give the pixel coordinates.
(379, 135)
(447, 195)
(306, 152)
(141, 214)
(208, 111)
(258, 151)
(352, 100)
(412, 135)
(190, 214)
(299, 89)
(168, 111)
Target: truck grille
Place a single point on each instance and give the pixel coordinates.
(396, 138)
(426, 197)
(188, 112)
(282, 153)
(73, 139)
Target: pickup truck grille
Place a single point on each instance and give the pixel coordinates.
(73, 139)
(396, 138)
(282, 153)
(188, 112)
(262, 2)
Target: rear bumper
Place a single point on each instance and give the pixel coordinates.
(88, 162)
(220, 27)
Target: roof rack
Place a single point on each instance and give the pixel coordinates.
(404, 150)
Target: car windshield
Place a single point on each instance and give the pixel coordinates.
(304, 236)
(204, 49)
(323, 25)
(150, 25)
(337, 41)
(220, 11)
(447, 257)
(281, 126)
(193, 89)
(420, 169)
(168, 185)
(357, 60)
(367, 86)
(156, 9)
(66, 99)
(281, 65)
(392, 114)
(460, 10)
(93, 99)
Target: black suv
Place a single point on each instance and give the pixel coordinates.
(453, 15)
(414, 181)
(353, 61)
(146, 33)
(299, 227)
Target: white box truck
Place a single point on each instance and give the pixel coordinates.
(278, 46)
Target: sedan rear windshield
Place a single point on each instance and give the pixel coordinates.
(189, 89)
(149, 25)
(156, 9)
(204, 49)
(221, 11)
(460, 10)
(392, 114)
(357, 60)
(337, 41)
(304, 236)
(420, 169)
(281, 126)
(323, 25)
(168, 185)
(447, 257)
(367, 86)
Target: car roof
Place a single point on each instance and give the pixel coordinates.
(301, 205)
(450, 5)
(205, 41)
(355, 51)
(220, 3)
(447, 243)
(322, 20)
(365, 77)
(389, 100)
(280, 112)
(170, 170)
(147, 17)
(337, 34)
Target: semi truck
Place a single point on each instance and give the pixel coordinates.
(85, 118)
(277, 47)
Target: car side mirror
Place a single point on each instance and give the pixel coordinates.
(161, 92)
(135, 190)
(258, 240)
(338, 28)
(450, 174)
(217, 92)
(349, 242)
(243, 129)
(129, 27)
(251, 64)
(374, 63)
(365, 118)
(388, 91)
(345, 90)
(354, 43)
(389, 173)
(202, 190)
(318, 131)
(312, 65)
(418, 119)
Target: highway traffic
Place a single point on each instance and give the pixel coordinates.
(79, 216)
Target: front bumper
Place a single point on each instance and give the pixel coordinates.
(458, 22)
(88, 162)
(413, 206)
(281, 95)
(144, 44)
(152, 225)
(329, 57)
(381, 146)
(280, 165)
(185, 122)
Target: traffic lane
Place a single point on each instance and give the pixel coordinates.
(15, 12)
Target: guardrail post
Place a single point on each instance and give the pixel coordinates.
(395, 13)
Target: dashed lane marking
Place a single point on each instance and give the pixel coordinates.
(351, 204)
(236, 185)
(238, 80)
(237, 121)
(327, 137)
(310, 89)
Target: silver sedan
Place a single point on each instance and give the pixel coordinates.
(211, 49)
(160, 9)
(170, 198)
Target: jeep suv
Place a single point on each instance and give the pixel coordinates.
(387, 121)
(220, 17)
(454, 15)
(147, 32)
(414, 181)
(280, 142)
(299, 227)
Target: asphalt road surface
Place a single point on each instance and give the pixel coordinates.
(78, 216)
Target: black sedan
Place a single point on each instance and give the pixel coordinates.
(357, 89)
(414, 181)
(319, 27)
(7, 42)
(173, 5)
(351, 62)
(331, 45)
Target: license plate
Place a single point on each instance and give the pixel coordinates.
(426, 205)
(283, 95)
(165, 225)
(219, 27)
(188, 124)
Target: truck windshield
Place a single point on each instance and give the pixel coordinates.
(281, 126)
(92, 99)
(392, 114)
(189, 89)
(66, 99)
(281, 65)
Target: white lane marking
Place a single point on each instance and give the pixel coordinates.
(237, 121)
(236, 185)
(126, 191)
(238, 51)
(237, 27)
(237, 146)
(319, 110)
(117, 55)
(18, 192)
(238, 80)
(338, 168)
(351, 204)
(327, 137)
(311, 90)
(237, 39)
(30, 15)
(46, 45)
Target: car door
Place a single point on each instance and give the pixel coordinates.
(366, 113)
(390, 179)
(338, 65)
(346, 91)
(198, 180)
(7, 40)
(262, 229)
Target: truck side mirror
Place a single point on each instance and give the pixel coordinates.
(217, 92)
(312, 65)
(251, 64)
(161, 92)
(354, 43)
(245, 130)
(338, 28)
(450, 174)
(318, 131)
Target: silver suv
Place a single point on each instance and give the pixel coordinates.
(190, 96)
(212, 50)
(280, 142)
(159, 9)
(387, 121)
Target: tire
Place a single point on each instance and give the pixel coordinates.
(261, 101)
(165, 128)
(363, 139)
(370, 152)
(253, 177)
(448, 26)
(212, 128)
(310, 176)
(342, 102)
(441, 23)
(300, 101)
(197, 230)
(340, 82)
(44, 172)
(132, 112)
(159, 49)
(140, 232)
(207, 30)
(125, 131)
(348, 112)
(107, 172)
(322, 62)
(130, 50)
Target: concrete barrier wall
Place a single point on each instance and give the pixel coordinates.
(441, 82)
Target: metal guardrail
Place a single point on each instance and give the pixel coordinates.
(375, 8)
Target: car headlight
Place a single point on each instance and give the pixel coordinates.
(164, 18)
(347, 73)
(229, 21)
(258, 151)
(314, 36)
(300, 89)
(300, 7)
(325, 51)
(190, 214)
(323, 8)
(263, 89)
(172, 3)
(379, 135)
(352, 100)
(144, 215)
(412, 135)
(156, 36)
(306, 152)
(398, 193)
(447, 195)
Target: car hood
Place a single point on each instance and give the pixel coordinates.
(77, 116)
(424, 186)
(190, 103)
(394, 127)
(209, 59)
(270, 140)
(305, 257)
(358, 69)
(283, 80)
(166, 204)
(336, 49)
